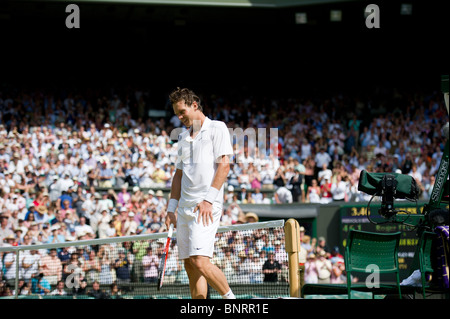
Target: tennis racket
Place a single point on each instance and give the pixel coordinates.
(163, 262)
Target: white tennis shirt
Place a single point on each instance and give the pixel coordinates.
(197, 159)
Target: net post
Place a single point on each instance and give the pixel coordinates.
(292, 244)
(16, 281)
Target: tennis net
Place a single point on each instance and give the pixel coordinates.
(251, 255)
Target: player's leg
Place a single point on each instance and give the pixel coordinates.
(213, 275)
(200, 239)
(197, 282)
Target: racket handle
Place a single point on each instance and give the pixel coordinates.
(170, 231)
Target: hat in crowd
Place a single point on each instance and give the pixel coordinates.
(241, 218)
(135, 189)
(302, 228)
(230, 188)
(42, 209)
(97, 195)
(9, 237)
(242, 254)
(123, 209)
(131, 214)
(251, 215)
(159, 193)
(151, 192)
(55, 227)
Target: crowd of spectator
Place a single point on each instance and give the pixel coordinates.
(91, 164)
(322, 151)
(319, 263)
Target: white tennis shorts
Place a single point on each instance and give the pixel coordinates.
(193, 238)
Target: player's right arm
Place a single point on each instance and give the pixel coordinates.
(175, 194)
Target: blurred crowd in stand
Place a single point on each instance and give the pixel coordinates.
(86, 164)
(318, 263)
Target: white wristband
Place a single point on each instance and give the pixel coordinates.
(211, 195)
(173, 204)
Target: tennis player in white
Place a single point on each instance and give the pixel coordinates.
(202, 167)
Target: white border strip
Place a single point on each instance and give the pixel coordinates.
(268, 224)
